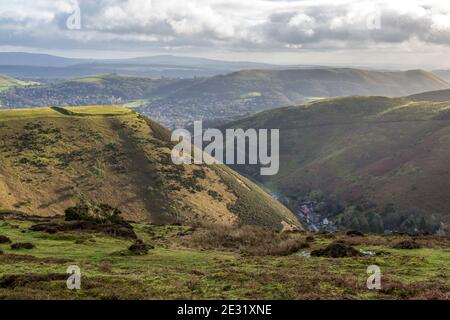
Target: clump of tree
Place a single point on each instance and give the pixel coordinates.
(95, 212)
(367, 217)
(326, 205)
(412, 220)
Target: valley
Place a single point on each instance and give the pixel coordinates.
(219, 159)
(368, 163)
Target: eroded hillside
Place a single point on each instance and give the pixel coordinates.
(50, 158)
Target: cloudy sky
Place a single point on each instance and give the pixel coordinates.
(394, 33)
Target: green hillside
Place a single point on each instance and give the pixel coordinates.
(179, 102)
(8, 82)
(51, 158)
(296, 84)
(370, 163)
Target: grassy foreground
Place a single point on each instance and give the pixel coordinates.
(177, 269)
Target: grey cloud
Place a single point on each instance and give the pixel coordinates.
(235, 25)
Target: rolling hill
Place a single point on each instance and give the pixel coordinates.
(7, 82)
(225, 97)
(50, 158)
(31, 65)
(370, 163)
(291, 86)
(178, 102)
(438, 96)
(443, 74)
(93, 90)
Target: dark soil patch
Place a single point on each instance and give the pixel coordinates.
(4, 239)
(407, 244)
(115, 230)
(20, 216)
(22, 245)
(140, 247)
(15, 258)
(13, 281)
(337, 250)
(355, 233)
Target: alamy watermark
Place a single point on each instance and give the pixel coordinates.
(74, 280)
(73, 22)
(374, 279)
(254, 147)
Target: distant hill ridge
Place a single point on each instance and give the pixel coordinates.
(438, 96)
(178, 102)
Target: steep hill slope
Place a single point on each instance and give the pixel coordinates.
(50, 158)
(372, 163)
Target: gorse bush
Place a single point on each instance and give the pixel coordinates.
(91, 211)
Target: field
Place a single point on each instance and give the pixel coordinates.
(178, 269)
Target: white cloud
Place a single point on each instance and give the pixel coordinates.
(263, 25)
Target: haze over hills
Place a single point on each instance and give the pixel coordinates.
(178, 102)
(368, 163)
(50, 158)
(250, 91)
(439, 95)
(36, 60)
(443, 74)
(30, 65)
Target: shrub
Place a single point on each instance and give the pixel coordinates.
(90, 211)
(22, 245)
(140, 247)
(407, 244)
(252, 240)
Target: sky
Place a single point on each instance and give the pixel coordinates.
(384, 33)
